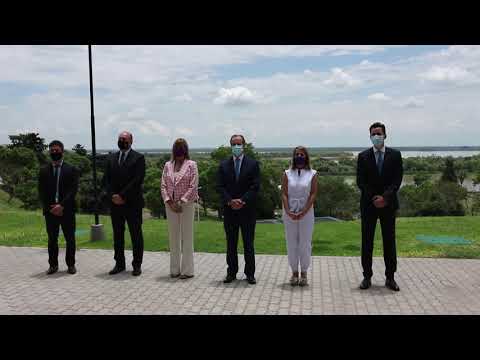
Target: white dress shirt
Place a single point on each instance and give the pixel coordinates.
(126, 155)
(375, 151)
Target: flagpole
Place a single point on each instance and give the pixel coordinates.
(97, 229)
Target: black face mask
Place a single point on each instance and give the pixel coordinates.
(179, 152)
(56, 156)
(299, 160)
(122, 145)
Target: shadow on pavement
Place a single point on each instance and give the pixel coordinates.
(287, 286)
(374, 290)
(124, 275)
(43, 275)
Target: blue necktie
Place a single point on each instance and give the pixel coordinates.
(380, 162)
(237, 168)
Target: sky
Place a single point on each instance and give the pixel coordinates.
(276, 95)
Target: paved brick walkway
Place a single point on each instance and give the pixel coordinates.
(428, 286)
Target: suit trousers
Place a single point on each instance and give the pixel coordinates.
(53, 223)
(233, 221)
(387, 222)
(180, 237)
(133, 217)
(298, 234)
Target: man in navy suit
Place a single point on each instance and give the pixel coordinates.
(238, 182)
(57, 188)
(123, 182)
(379, 176)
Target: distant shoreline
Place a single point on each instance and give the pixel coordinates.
(266, 150)
(315, 149)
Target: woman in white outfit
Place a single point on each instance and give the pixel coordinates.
(179, 192)
(299, 189)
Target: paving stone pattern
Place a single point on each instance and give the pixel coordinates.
(428, 286)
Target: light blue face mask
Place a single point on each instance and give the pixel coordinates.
(237, 150)
(377, 140)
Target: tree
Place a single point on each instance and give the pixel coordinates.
(476, 204)
(30, 141)
(476, 180)
(449, 173)
(209, 198)
(80, 150)
(443, 198)
(19, 173)
(336, 198)
(152, 187)
(461, 176)
(269, 196)
(82, 163)
(420, 179)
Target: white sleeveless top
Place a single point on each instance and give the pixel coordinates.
(299, 187)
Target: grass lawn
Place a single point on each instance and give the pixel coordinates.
(23, 228)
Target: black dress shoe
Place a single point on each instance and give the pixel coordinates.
(72, 269)
(392, 285)
(52, 270)
(117, 269)
(365, 284)
(229, 279)
(183, 276)
(251, 280)
(136, 271)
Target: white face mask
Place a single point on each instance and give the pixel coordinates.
(237, 150)
(377, 140)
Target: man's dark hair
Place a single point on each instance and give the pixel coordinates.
(237, 135)
(378, 125)
(56, 143)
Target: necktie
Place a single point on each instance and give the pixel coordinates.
(56, 173)
(122, 158)
(380, 162)
(237, 168)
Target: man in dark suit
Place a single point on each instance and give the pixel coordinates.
(123, 182)
(57, 187)
(379, 176)
(238, 182)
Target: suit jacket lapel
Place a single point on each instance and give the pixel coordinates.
(386, 159)
(373, 161)
(231, 166)
(115, 160)
(242, 167)
(130, 157)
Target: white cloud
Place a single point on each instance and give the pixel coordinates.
(412, 102)
(340, 78)
(146, 89)
(379, 97)
(235, 96)
(183, 131)
(445, 74)
(152, 127)
(137, 113)
(183, 98)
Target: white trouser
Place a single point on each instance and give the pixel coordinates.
(180, 236)
(299, 240)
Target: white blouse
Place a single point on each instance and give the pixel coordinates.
(299, 186)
